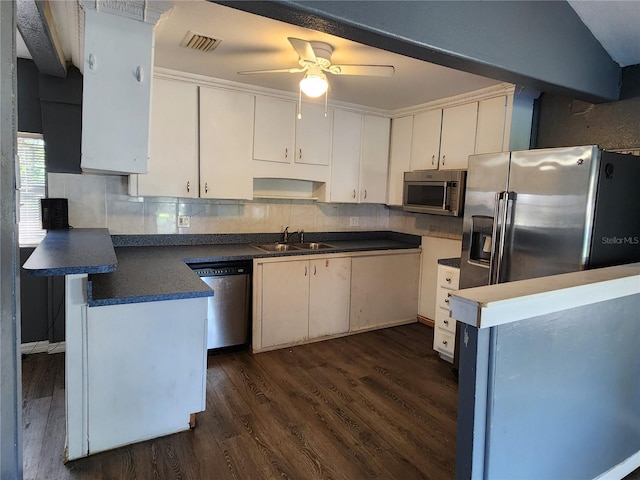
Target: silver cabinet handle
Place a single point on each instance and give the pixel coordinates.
(300, 154)
(444, 342)
(305, 270)
(188, 186)
(354, 193)
(446, 322)
(314, 269)
(365, 194)
(206, 187)
(286, 153)
(443, 157)
(433, 159)
(448, 280)
(446, 300)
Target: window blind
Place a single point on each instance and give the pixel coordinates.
(32, 188)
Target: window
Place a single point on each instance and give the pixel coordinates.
(32, 188)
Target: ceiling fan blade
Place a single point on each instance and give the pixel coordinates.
(303, 49)
(363, 70)
(277, 70)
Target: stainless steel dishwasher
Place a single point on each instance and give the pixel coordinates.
(228, 311)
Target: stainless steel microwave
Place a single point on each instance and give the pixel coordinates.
(439, 192)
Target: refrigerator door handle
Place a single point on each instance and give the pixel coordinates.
(498, 229)
(506, 197)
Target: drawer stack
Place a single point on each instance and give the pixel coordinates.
(445, 328)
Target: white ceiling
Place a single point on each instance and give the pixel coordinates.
(251, 42)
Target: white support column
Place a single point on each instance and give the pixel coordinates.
(76, 385)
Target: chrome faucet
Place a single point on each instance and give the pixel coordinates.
(286, 235)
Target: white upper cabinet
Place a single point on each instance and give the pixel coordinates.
(274, 130)
(118, 57)
(399, 157)
(458, 138)
(374, 162)
(360, 158)
(226, 134)
(173, 139)
(313, 136)
(491, 123)
(425, 144)
(345, 161)
(279, 136)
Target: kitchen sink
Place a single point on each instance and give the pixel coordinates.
(275, 247)
(284, 247)
(312, 246)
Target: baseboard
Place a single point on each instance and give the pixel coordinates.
(623, 469)
(426, 321)
(42, 347)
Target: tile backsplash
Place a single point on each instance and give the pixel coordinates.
(101, 201)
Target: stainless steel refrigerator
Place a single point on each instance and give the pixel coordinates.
(543, 212)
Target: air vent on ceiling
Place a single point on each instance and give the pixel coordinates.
(202, 43)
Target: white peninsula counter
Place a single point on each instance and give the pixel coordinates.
(549, 379)
(135, 368)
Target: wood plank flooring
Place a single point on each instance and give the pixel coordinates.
(377, 405)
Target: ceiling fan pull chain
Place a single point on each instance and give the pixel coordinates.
(299, 103)
(326, 95)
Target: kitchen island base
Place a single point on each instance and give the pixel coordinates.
(133, 371)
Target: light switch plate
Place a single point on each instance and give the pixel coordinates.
(354, 221)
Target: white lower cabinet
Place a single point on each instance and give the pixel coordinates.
(384, 289)
(297, 300)
(445, 327)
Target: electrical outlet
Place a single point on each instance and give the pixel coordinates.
(354, 221)
(183, 221)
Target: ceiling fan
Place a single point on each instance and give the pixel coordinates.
(315, 60)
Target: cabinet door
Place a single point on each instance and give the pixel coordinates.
(274, 130)
(458, 137)
(116, 93)
(285, 302)
(490, 130)
(313, 135)
(384, 290)
(173, 141)
(226, 135)
(345, 161)
(425, 144)
(399, 157)
(329, 296)
(374, 160)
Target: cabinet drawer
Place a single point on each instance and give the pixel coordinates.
(442, 298)
(448, 277)
(444, 322)
(443, 342)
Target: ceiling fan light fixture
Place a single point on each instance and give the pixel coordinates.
(314, 84)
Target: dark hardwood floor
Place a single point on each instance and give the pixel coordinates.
(374, 405)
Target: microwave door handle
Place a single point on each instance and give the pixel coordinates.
(497, 202)
(444, 195)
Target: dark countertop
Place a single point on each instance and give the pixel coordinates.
(77, 250)
(156, 267)
(450, 262)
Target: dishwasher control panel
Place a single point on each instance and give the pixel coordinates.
(217, 272)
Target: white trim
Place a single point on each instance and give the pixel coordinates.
(463, 98)
(492, 305)
(622, 469)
